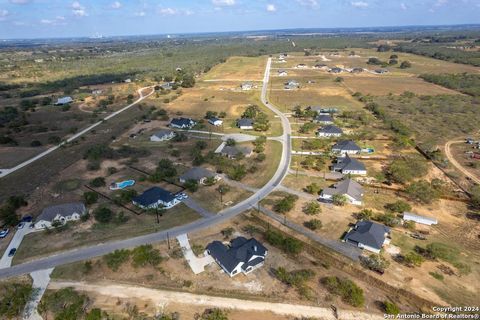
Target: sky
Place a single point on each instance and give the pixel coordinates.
(62, 18)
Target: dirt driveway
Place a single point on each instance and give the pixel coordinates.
(163, 298)
(456, 164)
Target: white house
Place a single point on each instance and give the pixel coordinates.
(60, 214)
(162, 135)
(241, 256)
(247, 86)
(282, 73)
(346, 147)
(63, 101)
(329, 131)
(245, 124)
(347, 165)
(199, 175)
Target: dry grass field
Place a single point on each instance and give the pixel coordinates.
(239, 69)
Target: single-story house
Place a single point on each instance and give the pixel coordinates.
(282, 73)
(241, 256)
(347, 165)
(63, 101)
(408, 216)
(282, 55)
(329, 131)
(368, 235)
(61, 213)
(346, 147)
(321, 66)
(182, 123)
(245, 123)
(97, 92)
(348, 187)
(233, 151)
(322, 110)
(155, 197)
(246, 86)
(198, 174)
(293, 83)
(162, 135)
(301, 66)
(128, 80)
(215, 121)
(336, 70)
(323, 119)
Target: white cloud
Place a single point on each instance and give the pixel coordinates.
(140, 14)
(116, 5)
(309, 3)
(440, 3)
(271, 8)
(403, 6)
(359, 4)
(20, 1)
(223, 2)
(59, 20)
(167, 11)
(78, 10)
(3, 14)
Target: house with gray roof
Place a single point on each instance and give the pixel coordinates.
(240, 256)
(60, 215)
(199, 175)
(162, 135)
(336, 70)
(329, 131)
(291, 85)
(182, 123)
(245, 124)
(233, 152)
(347, 165)
(351, 189)
(346, 147)
(323, 119)
(368, 235)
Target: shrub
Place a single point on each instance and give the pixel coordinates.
(227, 232)
(312, 208)
(146, 255)
(313, 188)
(375, 262)
(339, 199)
(313, 224)
(103, 215)
(90, 197)
(191, 185)
(287, 244)
(390, 308)
(365, 214)
(346, 289)
(115, 259)
(436, 275)
(398, 206)
(413, 259)
(405, 65)
(97, 182)
(422, 191)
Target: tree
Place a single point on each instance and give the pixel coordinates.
(213, 314)
(230, 142)
(90, 197)
(97, 182)
(339, 199)
(374, 61)
(285, 204)
(237, 172)
(188, 81)
(191, 185)
(398, 206)
(103, 215)
(405, 65)
(393, 62)
(312, 208)
(146, 255)
(422, 191)
(14, 298)
(313, 188)
(475, 197)
(406, 169)
(375, 262)
(348, 290)
(227, 232)
(313, 224)
(365, 214)
(115, 259)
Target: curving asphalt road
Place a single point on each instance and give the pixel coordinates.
(105, 248)
(5, 172)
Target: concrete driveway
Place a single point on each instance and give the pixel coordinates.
(196, 264)
(6, 261)
(41, 279)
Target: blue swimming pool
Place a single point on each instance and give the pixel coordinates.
(122, 185)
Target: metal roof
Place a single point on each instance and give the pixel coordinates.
(368, 233)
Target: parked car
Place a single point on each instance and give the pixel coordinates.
(4, 233)
(21, 225)
(12, 251)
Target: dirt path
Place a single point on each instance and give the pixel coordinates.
(163, 298)
(456, 164)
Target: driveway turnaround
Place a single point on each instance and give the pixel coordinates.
(196, 264)
(6, 261)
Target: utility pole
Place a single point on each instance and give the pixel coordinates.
(168, 240)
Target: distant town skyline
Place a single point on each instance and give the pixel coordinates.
(89, 18)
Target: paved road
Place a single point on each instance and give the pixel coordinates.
(40, 283)
(343, 248)
(224, 215)
(6, 261)
(456, 164)
(5, 172)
